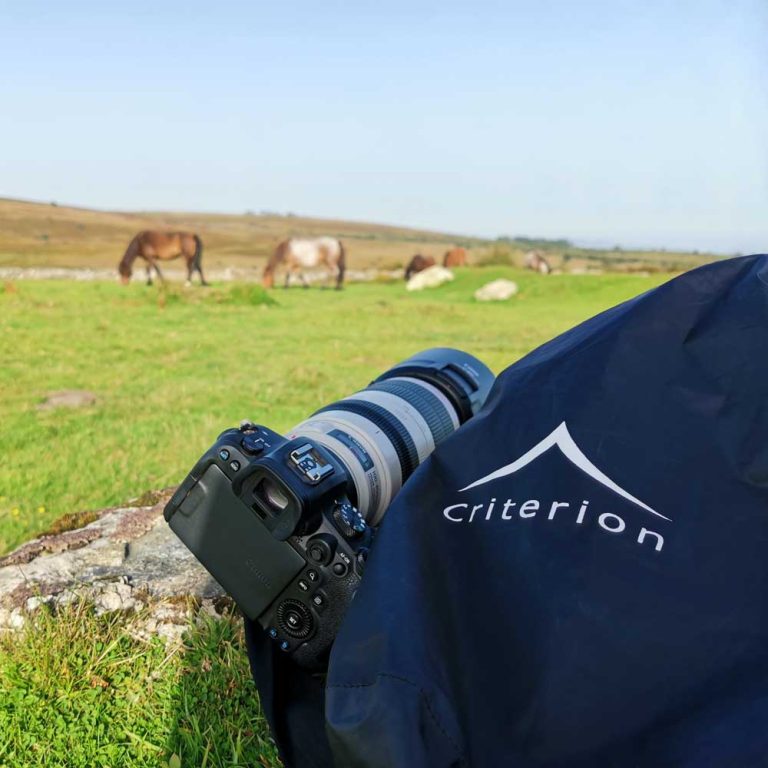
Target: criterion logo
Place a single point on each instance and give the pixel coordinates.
(577, 512)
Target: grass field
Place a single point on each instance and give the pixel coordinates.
(170, 368)
(81, 691)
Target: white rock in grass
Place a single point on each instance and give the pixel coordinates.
(15, 619)
(498, 290)
(430, 277)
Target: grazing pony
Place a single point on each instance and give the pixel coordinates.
(456, 257)
(297, 254)
(535, 260)
(417, 264)
(154, 246)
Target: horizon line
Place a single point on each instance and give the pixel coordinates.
(580, 243)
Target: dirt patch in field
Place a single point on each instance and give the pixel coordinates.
(67, 398)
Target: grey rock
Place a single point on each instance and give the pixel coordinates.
(127, 559)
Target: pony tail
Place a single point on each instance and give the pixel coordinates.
(197, 258)
(342, 264)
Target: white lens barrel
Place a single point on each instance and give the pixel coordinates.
(369, 457)
(381, 434)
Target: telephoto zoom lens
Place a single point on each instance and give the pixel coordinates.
(382, 433)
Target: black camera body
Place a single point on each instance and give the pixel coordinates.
(284, 524)
(272, 520)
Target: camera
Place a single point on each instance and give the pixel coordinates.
(285, 523)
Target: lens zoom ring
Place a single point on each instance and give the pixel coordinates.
(389, 424)
(429, 406)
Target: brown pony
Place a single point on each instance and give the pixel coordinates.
(297, 254)
(418, 264)
(456, 257)
(154, 246)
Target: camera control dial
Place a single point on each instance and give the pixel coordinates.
(294, 618)
(349, 521)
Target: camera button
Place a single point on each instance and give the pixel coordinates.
(321, 549)
(223, 454)
(303, 586)
(317, 553)
(273, 633)
(319, 602)
(293, 620)
(235, 465)
(252, 444)
(340, 569)
(285, 646)
(313, 576)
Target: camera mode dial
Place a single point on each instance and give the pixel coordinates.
(349, 521)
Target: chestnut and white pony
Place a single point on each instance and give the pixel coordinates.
(299, 254)
(536, 261)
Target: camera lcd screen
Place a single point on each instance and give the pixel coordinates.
(232, 543)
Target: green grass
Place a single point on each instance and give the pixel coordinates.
(81, 691)
(170, 370)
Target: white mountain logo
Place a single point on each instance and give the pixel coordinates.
(561, 438)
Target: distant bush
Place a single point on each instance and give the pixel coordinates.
(246, 294)
(535, 243)
(499, 254)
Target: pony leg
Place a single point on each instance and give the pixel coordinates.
(304, 280)
(189, 274)
(341, 263)
(149, 272)
(330, 274)
(203, 281)
(287, 277)
(159, 273)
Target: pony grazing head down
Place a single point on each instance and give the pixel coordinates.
(268, 278)
(125, 267)
(277, 257)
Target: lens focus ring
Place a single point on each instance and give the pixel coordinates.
(431, 409)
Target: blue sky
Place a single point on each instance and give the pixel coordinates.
(639, 123)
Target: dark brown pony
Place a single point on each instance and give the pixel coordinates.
(154, 246)
(298, 254)
(456, 257)
(418, 264)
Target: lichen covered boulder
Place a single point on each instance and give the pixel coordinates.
(125, 560)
